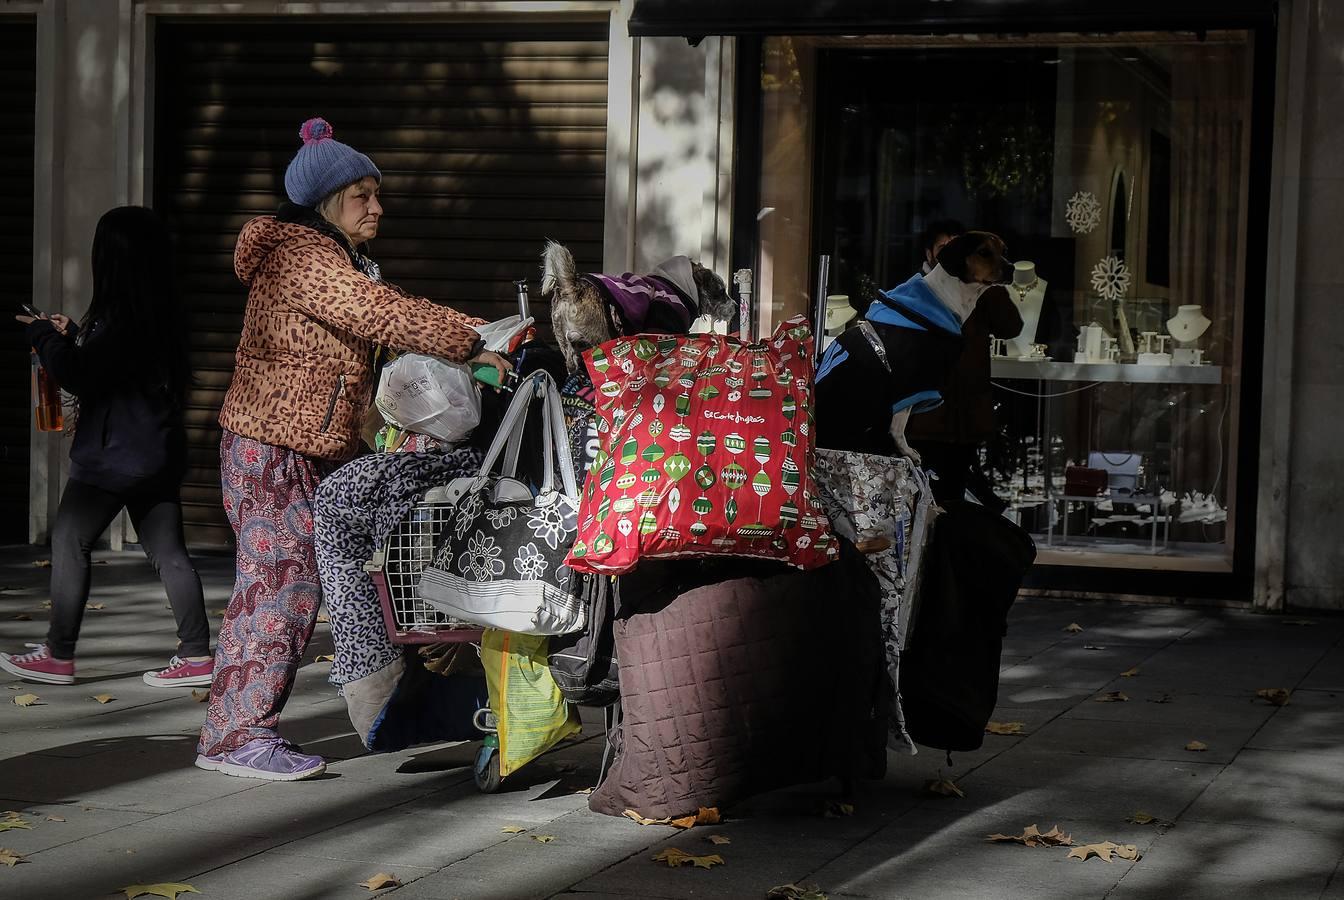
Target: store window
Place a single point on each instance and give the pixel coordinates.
(1117, 167)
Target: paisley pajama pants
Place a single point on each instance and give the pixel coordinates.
(357, 507)
(268, 497)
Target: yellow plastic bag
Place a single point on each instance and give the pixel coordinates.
(532, 715)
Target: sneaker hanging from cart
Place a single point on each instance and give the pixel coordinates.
(268, 758)
(40, 666)
(183, 673)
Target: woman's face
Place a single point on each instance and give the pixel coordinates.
(358, 212)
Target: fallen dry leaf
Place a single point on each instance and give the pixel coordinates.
(380, 881)
(543, 838)
(837, 810)
(1105, 850)
(1131, 673)
(1073, 628)
(718, 839)
(943, 787)
(1165, 698)
(1143, 818)
(10, 857)
(1032, 836)
(29, 700)
(164, 889)
(1113, 697)
(644, 820)
(199, 696)
(1005, 727)
(1276, 696)
(795, 892)
(12, 814)
(1093, 647)
(55, 818)
(708, 815)
(8, 824)
(674, 858)
(96, 606)
(42, 564)
(326, 657)
(21, 617)
(46, 604)
(683, 822)
(512, 829)
(103, 698)
(1197, 746)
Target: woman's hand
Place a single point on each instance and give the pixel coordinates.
(59, 322)
(490, 358)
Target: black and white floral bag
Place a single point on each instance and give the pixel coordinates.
(500, 559)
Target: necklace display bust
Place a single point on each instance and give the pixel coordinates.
(1188, 324)
(1027, 291)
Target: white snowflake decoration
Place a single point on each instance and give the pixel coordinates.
(1083, 212)
(1110, 278)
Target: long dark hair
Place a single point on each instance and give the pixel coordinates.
(135, 298)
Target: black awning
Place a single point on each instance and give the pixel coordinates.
(695, 19)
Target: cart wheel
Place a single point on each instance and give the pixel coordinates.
(486, 770)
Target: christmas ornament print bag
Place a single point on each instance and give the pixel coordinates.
(706, 450)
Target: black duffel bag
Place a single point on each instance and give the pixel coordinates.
(583, 663)
(974, 564)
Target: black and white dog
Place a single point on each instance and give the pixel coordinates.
(897, 361)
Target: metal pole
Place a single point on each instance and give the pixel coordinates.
(746, 319)
(521, 286)
(819, 311)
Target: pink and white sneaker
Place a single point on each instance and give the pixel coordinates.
(39, 666)
(182, 673)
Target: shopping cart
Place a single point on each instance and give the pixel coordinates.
(395, 570)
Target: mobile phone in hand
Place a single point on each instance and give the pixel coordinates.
(30, 310)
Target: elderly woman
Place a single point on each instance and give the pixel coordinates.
(317, 309)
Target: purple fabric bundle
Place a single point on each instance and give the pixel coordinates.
(643, 304)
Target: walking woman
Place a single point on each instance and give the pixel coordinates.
(316, 312)
(126, 364)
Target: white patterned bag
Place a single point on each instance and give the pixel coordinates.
(500, 559)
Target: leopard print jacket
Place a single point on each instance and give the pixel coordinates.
(304, 375)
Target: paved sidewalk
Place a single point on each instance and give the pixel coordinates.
(1260, 813)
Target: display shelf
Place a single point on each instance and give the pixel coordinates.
(1122, 373)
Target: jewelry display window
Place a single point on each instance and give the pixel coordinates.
(1116, 168)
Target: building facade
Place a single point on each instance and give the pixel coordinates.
(1167, 172)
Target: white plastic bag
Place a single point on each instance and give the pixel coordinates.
(499, 333)
(426, 395)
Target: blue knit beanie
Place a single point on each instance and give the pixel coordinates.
(324, 165)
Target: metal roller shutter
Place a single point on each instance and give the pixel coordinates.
(490, 138)
(18, 84)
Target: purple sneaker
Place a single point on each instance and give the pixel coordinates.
(271, 759)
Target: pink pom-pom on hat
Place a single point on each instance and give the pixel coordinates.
(316, 129)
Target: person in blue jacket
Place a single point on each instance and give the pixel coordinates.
(126, 364)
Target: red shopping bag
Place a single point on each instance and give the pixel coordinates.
(706, 450)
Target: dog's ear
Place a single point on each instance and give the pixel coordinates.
(953, 255)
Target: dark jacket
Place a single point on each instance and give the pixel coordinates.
(129, 432)
(967, 413)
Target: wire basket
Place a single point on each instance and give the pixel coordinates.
(396, 571)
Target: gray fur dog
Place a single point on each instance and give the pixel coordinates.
(580, 316)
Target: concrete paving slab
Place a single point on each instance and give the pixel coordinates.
(1312, 720)
(1328, 673)
(1094, 653)
(1204, 861)
(1159, 707)
(80, 822)
(297, 878)
(98, 866)
(916, 860)
(1281, 790)
(1143, 740)
(1035, 684)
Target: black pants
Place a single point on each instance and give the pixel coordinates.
(84, 514)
